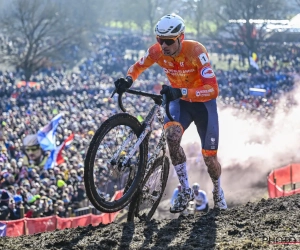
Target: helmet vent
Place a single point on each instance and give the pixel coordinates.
(178, 27)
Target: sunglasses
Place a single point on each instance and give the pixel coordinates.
(168, 41)
(33, 148)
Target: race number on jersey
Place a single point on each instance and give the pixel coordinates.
(203, 58)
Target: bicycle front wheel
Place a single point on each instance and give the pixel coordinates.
(145, 202)
(104, 171)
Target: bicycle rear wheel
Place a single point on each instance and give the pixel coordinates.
(103, 169)
(145, 202)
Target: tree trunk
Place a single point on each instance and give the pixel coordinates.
(27, 73)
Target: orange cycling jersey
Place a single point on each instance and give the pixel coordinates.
(190, 70)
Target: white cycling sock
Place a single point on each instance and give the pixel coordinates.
(217, 184)
(182, 175)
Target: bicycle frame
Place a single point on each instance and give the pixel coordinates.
(156, 111)
(161, 145)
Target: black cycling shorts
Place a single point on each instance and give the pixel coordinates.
(205, 117)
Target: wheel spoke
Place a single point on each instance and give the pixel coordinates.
(154, 184)
(105, 159)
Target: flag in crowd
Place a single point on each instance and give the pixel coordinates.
(2, 229)
(56, 157)
(65, 144)
(46, 135)
(47, 140)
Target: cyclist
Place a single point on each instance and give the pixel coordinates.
(192, 94)
(201, 201)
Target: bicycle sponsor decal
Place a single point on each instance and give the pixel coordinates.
(207, 72)
(142, 60)
(175, 72)
(204, 92)
(169, 63)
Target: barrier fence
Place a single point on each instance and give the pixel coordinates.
(284, 181)
(86, 210)
(28, 226)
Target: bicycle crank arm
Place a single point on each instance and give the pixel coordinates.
(150, 197)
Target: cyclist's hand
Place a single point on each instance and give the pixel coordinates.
(171, 93)
(122, 84)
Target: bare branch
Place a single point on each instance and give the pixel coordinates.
(246, 35)
(40, 32)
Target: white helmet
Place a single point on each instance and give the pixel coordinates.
(170, 25)
(196, 186)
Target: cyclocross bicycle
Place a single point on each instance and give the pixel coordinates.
(118, 159)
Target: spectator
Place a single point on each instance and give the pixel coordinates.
(81, 192)
(4, 206)
(12, 210)
(18, 203)
(48, 207)
(34, 155)
(201, 201)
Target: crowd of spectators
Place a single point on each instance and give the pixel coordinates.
(83, 96)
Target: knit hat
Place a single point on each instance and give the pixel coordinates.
(32, 200)
(4, 196)
(30, 140)
(18, 198)
(37, 196)
(60, 183)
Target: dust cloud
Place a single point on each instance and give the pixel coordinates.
(249, 148)
(247, 141)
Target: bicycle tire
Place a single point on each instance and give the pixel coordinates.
(91, 191)
(134, 207)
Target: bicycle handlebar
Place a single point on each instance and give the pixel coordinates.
(158, 99)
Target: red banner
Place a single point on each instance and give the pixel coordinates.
(29, 84)
(97, 219)
(278, 178)
(39, 225)
(102, 218)
(295, 173)
(63, 223)
(46, 224)
(81, 221)
(117, 195)
(15, 228)
(105, 219)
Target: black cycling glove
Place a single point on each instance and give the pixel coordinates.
(122, 84)
(171, 93)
